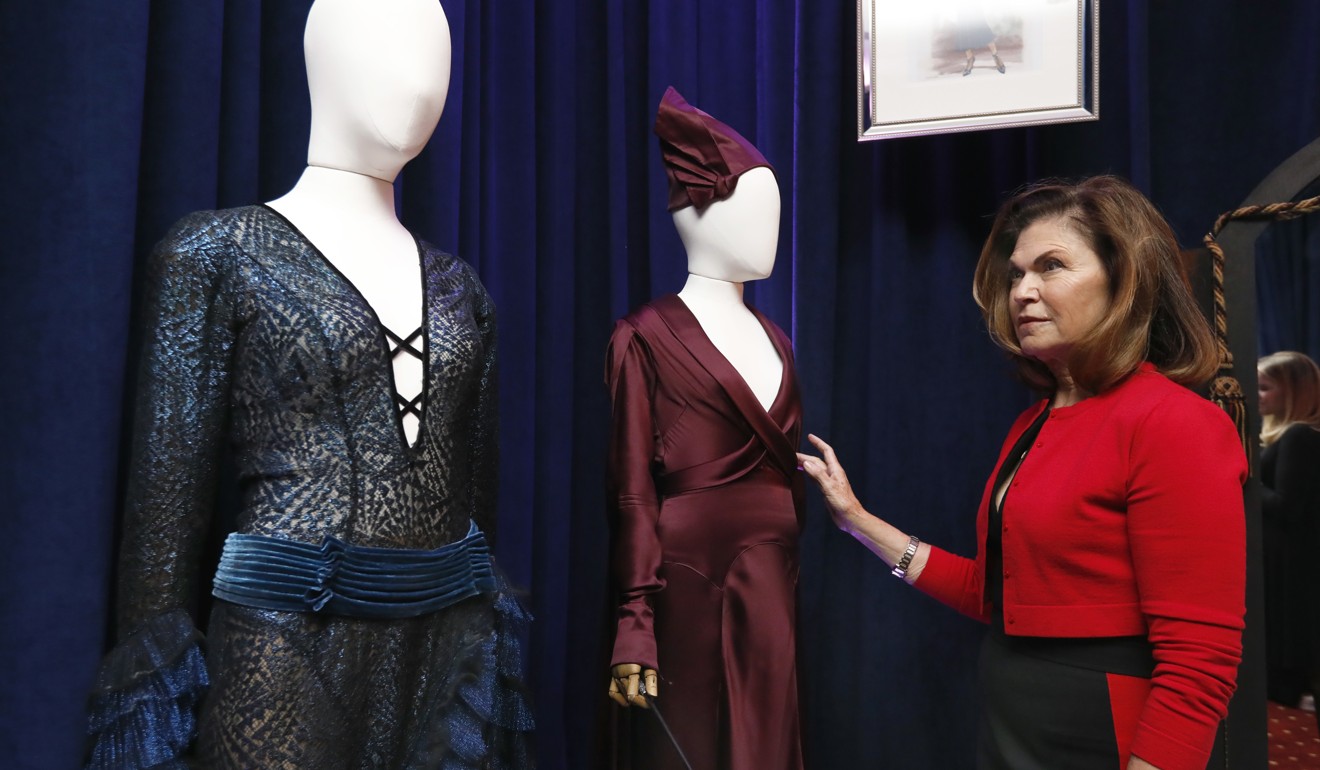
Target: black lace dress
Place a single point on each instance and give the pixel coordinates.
(253, 339)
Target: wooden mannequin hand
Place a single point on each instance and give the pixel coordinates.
(626, 684)
(826, 472)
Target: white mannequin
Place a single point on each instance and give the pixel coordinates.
(728, 243)
(378, 73)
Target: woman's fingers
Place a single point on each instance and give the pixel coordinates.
(825, 465)
(827, 454)
(828, 459)
(819, 443)
(830, 476)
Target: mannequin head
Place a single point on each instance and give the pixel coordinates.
(734, 239)
(378, 73)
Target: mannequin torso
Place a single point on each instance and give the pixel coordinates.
(350, 218)
(736, 333)
(730, 242)
(378, 76)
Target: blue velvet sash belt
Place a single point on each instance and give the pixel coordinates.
(335, 578)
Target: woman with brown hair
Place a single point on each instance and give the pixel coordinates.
(1111, 562)
(1289, 388)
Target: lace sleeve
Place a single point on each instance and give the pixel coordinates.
(148, 684)
(179, 415)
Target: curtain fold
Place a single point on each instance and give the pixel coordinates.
(1288, 283)
(117, 119)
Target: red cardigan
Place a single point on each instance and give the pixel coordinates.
(1126, 518)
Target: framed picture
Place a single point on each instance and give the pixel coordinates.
(942, 66)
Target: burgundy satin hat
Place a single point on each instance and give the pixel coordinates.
(703, 157)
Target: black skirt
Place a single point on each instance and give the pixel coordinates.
(1060, 703)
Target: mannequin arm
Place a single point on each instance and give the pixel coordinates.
(626, 684)
(882, 538)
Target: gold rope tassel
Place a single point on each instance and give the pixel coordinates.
(1225, 390)
(1227, 393)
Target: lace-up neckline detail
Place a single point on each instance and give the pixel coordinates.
(407, 346)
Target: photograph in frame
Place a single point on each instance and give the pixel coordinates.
(944, 66)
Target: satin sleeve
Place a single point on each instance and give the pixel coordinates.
(634, 505)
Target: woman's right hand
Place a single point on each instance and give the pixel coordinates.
(626, 682)
(878, 535)
(829, 475)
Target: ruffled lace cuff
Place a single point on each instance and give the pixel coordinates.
(142, 708)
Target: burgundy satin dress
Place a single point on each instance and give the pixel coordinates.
(707, 506)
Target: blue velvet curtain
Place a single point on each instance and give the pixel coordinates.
(117, 118)
(1288, 283)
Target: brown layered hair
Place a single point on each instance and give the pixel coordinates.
(1152, 314)
(1298, 380)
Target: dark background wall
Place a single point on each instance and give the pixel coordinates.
(118, 118)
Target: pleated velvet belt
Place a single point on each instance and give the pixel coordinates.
(335, 578)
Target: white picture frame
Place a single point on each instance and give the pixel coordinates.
(1032, 62)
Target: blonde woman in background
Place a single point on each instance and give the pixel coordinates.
(1289, 385)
